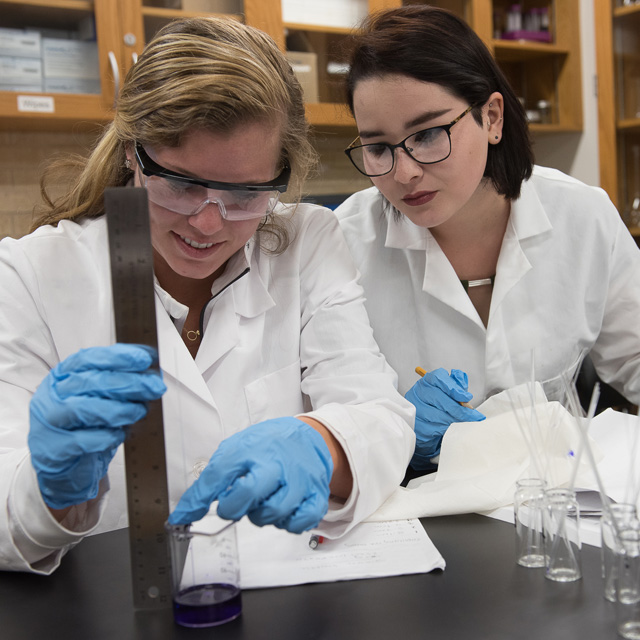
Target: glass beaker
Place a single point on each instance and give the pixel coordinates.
(528, 508)
(205, 571)
(633, 212)
(562, 536)
(628, 600)
(624, 514)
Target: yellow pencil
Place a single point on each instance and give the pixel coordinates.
(421, 372)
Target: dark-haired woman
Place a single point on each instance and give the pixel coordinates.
(474, 260)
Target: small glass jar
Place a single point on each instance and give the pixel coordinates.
(562, 536)
(628, 592)
(624, 514)
(528, 507)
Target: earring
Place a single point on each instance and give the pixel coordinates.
(491, 104)
(127, 164)
(496, 137)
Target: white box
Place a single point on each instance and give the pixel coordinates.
(328, 13)
(70, 59)
(22, 88)
(20, 43)
(72, 85)
(20, 71)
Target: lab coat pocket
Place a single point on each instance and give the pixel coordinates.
(276, 394)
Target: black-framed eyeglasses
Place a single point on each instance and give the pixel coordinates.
(428, 146)
(188, 195)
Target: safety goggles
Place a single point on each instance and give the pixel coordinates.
(188, 196)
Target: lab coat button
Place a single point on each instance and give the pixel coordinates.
(198, 468)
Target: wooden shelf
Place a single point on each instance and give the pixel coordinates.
(296, 26)
(43, 13)
(71, 111)
(621, 12)
(328, 114)
(629, 124)
(72, 5)
(172, 14)
(552, 128)
(526, 49)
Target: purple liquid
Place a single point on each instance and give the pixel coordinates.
(207, 605)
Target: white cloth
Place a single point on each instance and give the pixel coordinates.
(290, 336)
(567, 282)
(480, 462)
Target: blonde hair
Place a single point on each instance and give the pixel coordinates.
(198, 73)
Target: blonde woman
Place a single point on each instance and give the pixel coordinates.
(277, 401)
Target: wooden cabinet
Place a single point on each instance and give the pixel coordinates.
(540, 72)
(548, 72)
(65, 110)
(618, 61)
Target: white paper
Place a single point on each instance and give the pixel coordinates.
(271, 557)
(480, 462)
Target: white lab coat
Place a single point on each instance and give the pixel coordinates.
(567, 282)
(289, 335)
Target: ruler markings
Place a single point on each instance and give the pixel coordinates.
(145, 462)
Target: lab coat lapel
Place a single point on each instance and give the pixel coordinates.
(440, 279)
(175, 358)
(241, 294)
(442, 282)
(525, 222)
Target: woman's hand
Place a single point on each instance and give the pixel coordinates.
(79, 415)
(438, 399)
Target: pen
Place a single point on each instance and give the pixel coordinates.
(421, 372)
(315, 540)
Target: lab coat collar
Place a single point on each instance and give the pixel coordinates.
(528, 216)
(527, 219)
(404, 234)
(251, 295)
(249, 298)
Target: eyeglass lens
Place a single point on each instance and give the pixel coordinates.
(189, 199)
(428, 146)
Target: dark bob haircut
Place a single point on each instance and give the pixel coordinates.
(434, 45)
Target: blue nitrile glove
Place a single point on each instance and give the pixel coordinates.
(276, 472)
(78, 416)
(437, 397)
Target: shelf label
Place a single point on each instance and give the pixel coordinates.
(36, 104)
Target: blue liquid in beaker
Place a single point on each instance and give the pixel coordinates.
(207, 605)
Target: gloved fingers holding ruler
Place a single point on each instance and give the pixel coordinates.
(79, 416)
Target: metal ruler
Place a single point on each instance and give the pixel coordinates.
(145, 462)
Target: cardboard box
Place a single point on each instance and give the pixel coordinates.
(69, 59)
(305, 66)
(20, 43)
(20, 71)
(213, 6)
